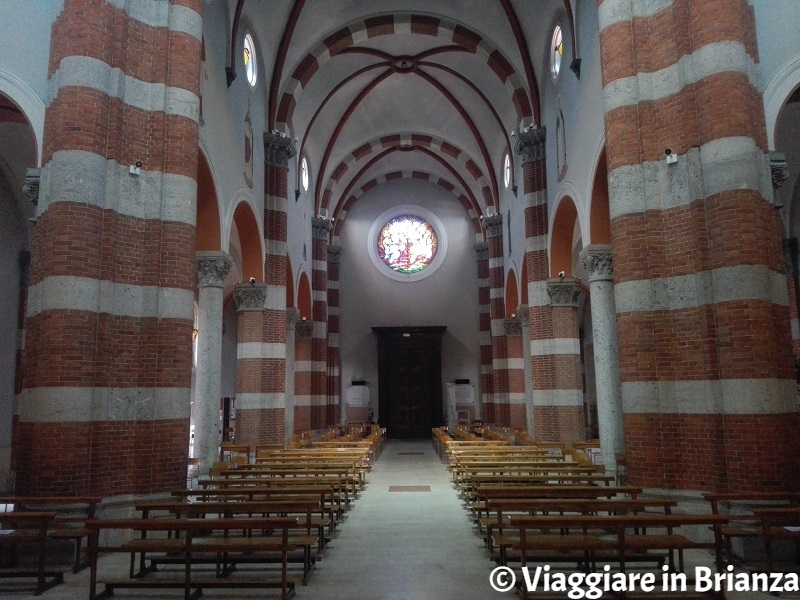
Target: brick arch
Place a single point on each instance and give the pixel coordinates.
(250, 239)
(304, 296)
(389, 24)
(344, 207)
(208, 229)
(512, 292)
(561, 238)
(600, 215)
(403, 140)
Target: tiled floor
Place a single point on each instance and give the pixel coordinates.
(394, 545)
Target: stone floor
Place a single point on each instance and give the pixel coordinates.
(393, 545)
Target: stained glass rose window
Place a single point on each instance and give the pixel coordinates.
(407, 244)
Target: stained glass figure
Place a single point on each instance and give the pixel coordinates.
(249, 56)
(556, 52)
(407, 244)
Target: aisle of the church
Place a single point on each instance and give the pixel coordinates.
(399, 544)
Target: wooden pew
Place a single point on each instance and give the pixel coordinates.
(779, 524)
(71, 514)
(621, 539)
(482, 494)
(29, 527)
(740, 506)
(500, 510)
(195, 543)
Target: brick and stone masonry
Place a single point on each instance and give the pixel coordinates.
(334, 384)
(707, 387)
(104, 407)
(485, 333)
(494, 240)
(261, 416)
(322, 414)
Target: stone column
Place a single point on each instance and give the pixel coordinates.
(334, 382)
(486, 411)
(597, 261)
(304, 410)
(250, 299)
(523, 313)
(292, 317)
(107, 361)
(322, 414)
(212, 269)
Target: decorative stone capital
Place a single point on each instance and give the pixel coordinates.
(597, 261)
(250, 296)
(494, 225)
(513, 325)
(334, 254)
(212, 268)
(530, 144)
(31, 186)
(304, 328)
(292, 317)
(321, 228)
(524, 315)
(780, 171)
(564, 291)
(481, 251)
(790, 255)
(278, 149)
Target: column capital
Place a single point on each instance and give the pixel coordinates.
(513, 325)
(304, 328)
(494, 225)
(524, 314)
(278, 149)
(31, 186)
(564, 291)
(334, 254)
(597, 260)
(212, 268)
(481, 251)
(779, 169)
(250, 296)
(292, 317)
(321, 228)
(530, 144)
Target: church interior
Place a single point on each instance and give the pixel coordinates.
(567, 225)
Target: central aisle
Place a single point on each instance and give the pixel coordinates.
(405, 545)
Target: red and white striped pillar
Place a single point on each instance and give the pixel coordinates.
(494, 239)
(268, 411)
(708, 386)
(485, 333)
(515, 366)
(107, 359)
(321, 413)
(334, 385)
(303, 375)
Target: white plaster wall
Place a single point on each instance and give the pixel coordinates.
(370, 299)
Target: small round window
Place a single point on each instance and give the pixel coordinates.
(556, 51)
(304, 173)
(507, 170)
(250, 59)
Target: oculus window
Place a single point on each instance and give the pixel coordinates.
(249, 53)
(407, 243)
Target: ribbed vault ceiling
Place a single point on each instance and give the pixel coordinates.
(370, 87)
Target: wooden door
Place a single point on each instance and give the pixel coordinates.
(410, 380)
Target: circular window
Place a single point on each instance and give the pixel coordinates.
(250, 59)
(556, 52)
(407, 243)
(304, 173)
(507, 170)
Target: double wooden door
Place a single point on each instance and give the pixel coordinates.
(410, 380)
